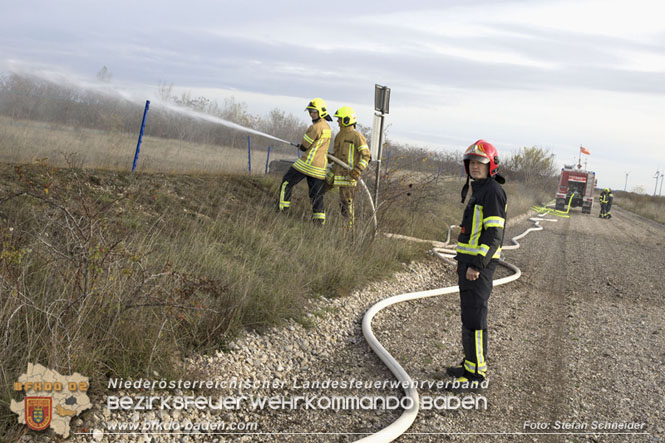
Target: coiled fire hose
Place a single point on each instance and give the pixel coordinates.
(446, 252)
(546, 210)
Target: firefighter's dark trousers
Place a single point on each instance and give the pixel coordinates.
(603, 209)
(474, 297)
(316, 191)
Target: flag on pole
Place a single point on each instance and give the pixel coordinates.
(584, 150)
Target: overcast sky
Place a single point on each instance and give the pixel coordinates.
(554, 74)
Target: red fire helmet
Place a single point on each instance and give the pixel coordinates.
(483, 152)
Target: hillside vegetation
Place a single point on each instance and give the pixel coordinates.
(648, 206)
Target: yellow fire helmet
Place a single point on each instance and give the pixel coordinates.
(318, 104)
(347, 114)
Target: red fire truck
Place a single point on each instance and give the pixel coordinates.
(579, 184)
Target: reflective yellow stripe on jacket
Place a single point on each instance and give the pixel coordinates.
(351, 147)
(317, 141)
(472, 247)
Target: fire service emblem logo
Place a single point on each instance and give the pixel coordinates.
(51, 399)
(38, 412)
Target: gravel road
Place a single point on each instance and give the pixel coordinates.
(576, 351)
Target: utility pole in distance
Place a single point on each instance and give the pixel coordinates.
(625, 186)
(657, 176)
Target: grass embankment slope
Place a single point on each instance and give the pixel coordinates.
(648, 206)
(112, 274)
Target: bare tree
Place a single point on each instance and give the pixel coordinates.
(531, 164)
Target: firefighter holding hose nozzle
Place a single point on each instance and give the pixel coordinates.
(312, 163)
(478, 250)
(351, 148)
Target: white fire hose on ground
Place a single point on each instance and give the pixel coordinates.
(399, 426)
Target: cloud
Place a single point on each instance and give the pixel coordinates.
(521, 72)
(277, 49)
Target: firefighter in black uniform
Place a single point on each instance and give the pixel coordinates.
(603, 203)
(478, 250)
(609, 198)
(606, 198)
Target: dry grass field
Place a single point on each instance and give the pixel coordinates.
(24, 141)
(647, 206)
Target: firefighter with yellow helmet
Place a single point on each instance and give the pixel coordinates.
(478, 250)
(605, 199)
(312, 163)
(350, 147)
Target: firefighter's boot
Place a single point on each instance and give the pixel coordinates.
(473, 379)
(457, 370)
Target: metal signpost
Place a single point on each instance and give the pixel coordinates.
(381, 108)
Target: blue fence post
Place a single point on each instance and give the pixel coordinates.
(138, 145)
(267, 160)
(249, 156)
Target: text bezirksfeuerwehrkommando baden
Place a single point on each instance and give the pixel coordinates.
(309, 401)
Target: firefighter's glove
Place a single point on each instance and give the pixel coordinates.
(355, 173)
(330, 177)
(301, 147)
